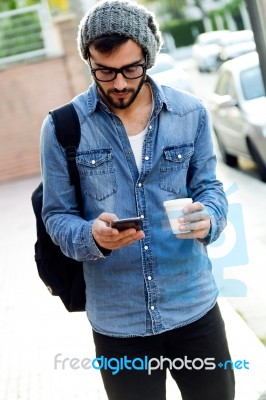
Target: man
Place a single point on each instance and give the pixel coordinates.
(149, 294)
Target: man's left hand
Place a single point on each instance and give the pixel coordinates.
(195, 219)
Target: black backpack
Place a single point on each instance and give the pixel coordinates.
(62, 275)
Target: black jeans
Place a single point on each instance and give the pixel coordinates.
(199, 340)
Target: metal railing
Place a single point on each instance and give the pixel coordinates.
(27, 33)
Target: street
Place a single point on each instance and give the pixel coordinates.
(247, 238)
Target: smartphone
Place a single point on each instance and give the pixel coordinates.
(122, 224)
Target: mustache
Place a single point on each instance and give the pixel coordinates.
(116, 91)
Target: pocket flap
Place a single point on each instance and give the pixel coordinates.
(178, 153)
(94, 158)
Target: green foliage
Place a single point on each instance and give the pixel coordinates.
(19, 34)
(183, 31)
(231, 8)
(233, 5)
(172, 7)
(7, 5)
(31, 2)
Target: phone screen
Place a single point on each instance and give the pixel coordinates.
(127, 223)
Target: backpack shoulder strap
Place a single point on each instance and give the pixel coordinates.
(67, 130)
(67, 126)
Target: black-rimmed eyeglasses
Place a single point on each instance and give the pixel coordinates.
(132, 71)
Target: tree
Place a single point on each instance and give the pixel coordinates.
(8, 5)
(14, 4)
(198, 3)
(173, 7)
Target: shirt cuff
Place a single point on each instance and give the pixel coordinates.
(95, 251)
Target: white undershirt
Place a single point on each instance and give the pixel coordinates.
(137, 141)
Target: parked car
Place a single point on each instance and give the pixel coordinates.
(238, 111)
(236, 44)
(167, 72)
(206, 49)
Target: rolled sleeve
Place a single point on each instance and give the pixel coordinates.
(203, 184)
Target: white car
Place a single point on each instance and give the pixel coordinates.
(166, 71)
(236, 44)
(238, 113)
(206, 49)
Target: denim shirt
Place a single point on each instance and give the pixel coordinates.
(160, 282)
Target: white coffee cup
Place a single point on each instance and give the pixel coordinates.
(174, 209)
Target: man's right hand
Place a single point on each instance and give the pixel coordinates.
(111, 238)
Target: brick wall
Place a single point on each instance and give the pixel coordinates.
(27, 93)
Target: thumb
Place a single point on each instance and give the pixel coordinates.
(107, 217)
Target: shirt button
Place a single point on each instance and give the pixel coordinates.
(149, 278)
(147, 158)
(146, 247)
(142, 216)
(93, 162)
(179, 156)
(150, 127)
(139, 184)
(152, 308)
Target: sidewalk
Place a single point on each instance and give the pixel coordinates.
(35, 327)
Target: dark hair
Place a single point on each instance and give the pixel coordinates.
(108, 44)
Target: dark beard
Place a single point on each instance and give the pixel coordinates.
(122, 104)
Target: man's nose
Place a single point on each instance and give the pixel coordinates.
(120, 82)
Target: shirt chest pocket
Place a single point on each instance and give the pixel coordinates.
(97, 175)
(174, 165)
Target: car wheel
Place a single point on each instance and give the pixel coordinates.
(202, 68)
(257, 158)
(228, 159)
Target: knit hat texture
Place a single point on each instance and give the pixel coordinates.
(122, 17)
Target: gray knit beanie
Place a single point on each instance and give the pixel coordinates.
(125, 18)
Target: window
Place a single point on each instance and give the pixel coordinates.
(252, 83)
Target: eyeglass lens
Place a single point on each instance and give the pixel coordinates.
(131, 72)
